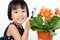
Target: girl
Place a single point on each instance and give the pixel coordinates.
(17, 12)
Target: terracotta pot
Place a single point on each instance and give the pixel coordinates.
(44, 36)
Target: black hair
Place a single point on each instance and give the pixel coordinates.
(13, 5)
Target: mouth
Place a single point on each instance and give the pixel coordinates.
(20, 19)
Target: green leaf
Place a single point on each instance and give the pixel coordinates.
(36, 22)
(33, 23)
(35, 28)
(54, 23)
(47, 24)
(41, 30)
(38, 19)
(57, 25)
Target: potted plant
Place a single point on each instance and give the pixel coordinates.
(45, 23)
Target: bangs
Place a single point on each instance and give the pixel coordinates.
(14, 6)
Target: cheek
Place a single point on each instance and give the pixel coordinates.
(14, 17)
(25, 15)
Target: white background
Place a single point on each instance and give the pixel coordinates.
(31, 4)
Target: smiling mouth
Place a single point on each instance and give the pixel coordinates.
(20, 19)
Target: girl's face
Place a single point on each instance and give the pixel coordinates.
(19, 15)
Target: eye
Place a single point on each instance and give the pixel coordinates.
(16, 12)
(23, 11)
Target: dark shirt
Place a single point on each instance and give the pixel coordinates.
(20, 29)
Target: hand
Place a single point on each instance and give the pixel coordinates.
(28, 24)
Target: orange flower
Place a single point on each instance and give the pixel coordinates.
(57, 11)
(42, 10)
(46, 13)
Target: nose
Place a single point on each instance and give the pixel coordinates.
(20, 14)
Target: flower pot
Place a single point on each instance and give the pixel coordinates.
(44, 36)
